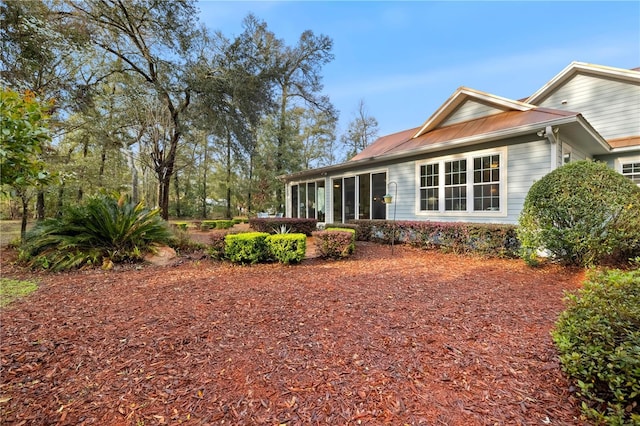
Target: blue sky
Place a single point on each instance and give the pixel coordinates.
(404, 59)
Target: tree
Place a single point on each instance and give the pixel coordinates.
(151, 40)
(234, 91)
(363, 129)
(298, 79)
(23, 132)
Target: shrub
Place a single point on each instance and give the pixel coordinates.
(598, 337)
(208, 224)
(217, 245)
(458, 237)
(287, 248)
(105, 229)
(296, 225)
(582, 213)
(335, 243)
(249, 247)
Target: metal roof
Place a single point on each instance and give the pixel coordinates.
(492, 124)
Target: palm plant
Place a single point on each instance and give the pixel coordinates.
(106, 229)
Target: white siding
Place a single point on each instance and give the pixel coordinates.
(611, 106)
(470, 110)
(528, 162)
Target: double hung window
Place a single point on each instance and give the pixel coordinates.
(472, 183)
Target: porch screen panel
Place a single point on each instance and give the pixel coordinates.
(378, 190)
(321, 210)
(311, 200)
(337, 200)
(364, 198)
(303, 200)
(294, 201)
(349, 198)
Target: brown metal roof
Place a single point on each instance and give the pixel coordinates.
(403, 141)
(624, 142)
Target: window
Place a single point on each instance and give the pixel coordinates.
(359, 197)
(486, 183)
(455, 185)
(429, 181)
(294, 201)
(379, 189)
(632, 171)
(308, 200)
(463, 184)
(337, 200)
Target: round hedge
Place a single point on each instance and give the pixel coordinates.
(582, 213)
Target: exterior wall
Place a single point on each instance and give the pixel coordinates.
(611, 106)
(470, 110)
(615, 161)
(526, 161)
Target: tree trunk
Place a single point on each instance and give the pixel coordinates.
(228, 212)
(25, 214)
(135, 196)
(204, 180)
(281, 144)
(176, 182)
(40, 205)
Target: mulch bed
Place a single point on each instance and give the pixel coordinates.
(418, 338)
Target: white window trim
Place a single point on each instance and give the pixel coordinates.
(469, 212)
(625, 160)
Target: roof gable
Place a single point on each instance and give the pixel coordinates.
(466, 104)
(632, 76)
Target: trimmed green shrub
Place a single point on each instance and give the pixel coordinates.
(335, 243)
(456, 237)
(205, 225)
(249, 247)
(287, 248)
(598, 337)
(295, 225)
(105, 229)
(582, 213)
(223, 224)
(183, 226)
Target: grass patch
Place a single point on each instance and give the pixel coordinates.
(11, 290)
(10, 231)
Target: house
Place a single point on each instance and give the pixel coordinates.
(476, 157)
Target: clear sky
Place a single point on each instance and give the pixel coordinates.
(405, 58)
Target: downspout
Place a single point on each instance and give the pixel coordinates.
(550, 134)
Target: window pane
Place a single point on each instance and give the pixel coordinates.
(632, 171)
(378, 189)
(303, 200)
(294, 201)
(321, 201)
(364, 199)
(429, 187)
(349, 198)
(455, 185)
(337, 200)
(311, 200)
(486, 188)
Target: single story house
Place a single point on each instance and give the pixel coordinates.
(476, 157)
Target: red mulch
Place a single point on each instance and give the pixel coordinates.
(417, 338)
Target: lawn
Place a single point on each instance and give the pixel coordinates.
(410, 338)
